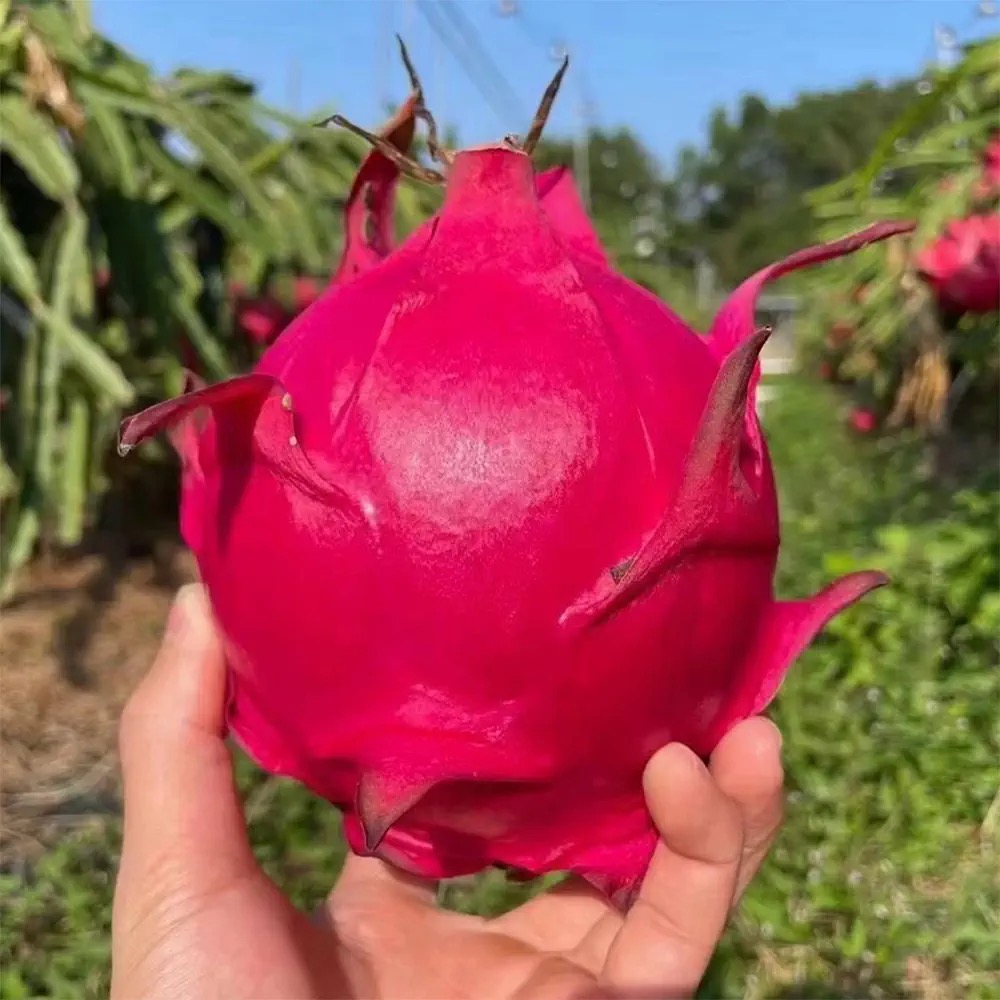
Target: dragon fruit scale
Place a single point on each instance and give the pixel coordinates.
(487, 526)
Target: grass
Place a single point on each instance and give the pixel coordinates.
(885, 880)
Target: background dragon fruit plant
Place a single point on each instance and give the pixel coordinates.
(488, 524)
(917, 339)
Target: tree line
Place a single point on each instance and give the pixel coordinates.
(738, 199)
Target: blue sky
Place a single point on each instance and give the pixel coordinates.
(659, 66)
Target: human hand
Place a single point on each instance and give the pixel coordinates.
(195, 917)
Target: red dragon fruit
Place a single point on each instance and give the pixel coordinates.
(963, 265)
(487, 526)
(260, 318)
(305, 291)
(863, 421)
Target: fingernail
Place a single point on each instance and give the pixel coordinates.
(683, 758)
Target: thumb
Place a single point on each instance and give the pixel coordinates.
(181, 807)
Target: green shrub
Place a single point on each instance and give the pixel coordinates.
(874, 324)
(891, 725)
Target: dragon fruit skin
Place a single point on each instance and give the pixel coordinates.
(486, 527)
(368, 218)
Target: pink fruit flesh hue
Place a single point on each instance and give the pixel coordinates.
(487, 526)
(963, 265)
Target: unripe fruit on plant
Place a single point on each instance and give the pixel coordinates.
(486, 527)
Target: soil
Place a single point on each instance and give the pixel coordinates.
(74, 640)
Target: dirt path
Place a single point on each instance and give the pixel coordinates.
(73, 643)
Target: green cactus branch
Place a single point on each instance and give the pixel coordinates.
(127, 203)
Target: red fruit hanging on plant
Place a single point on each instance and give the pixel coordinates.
(305, 291)
(963, 264)
(260, 318)
(863, 421)
(515, 528)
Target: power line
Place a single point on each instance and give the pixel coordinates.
(385, 31)
(455, 46)
(482, 54)
(556, 48)
(551, 42)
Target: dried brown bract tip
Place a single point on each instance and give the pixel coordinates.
(438, 153)
(544, 108)
(407, 166)
(418, 109)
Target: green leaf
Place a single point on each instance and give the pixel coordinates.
(221, 161)
(102, 373)
(91, 86)
(69, 242)
(18, 544)
(921, 111)
(195, 195)
(82, 19)
(209, 350)
(202, 339)
(70, 266)
(9, 483)
(11, 36)
(16, 265)
(75, 471)
(34, 142)
(139, 260)
(59, 33)
(71, 259)
(188, 83)
(108, 139)
(299, 219)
